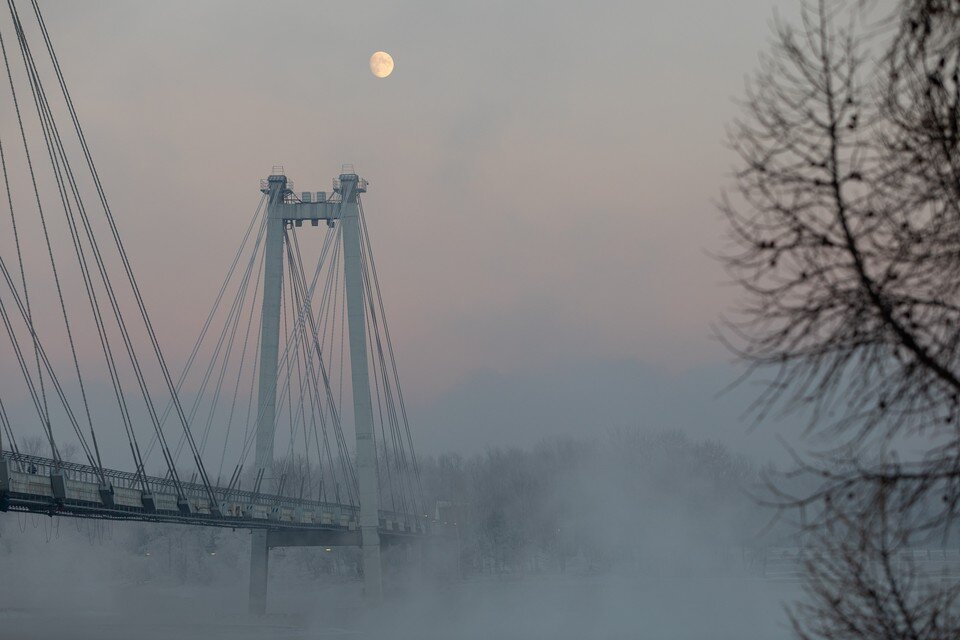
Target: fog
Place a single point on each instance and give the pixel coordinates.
(543, 177)
(627, 534)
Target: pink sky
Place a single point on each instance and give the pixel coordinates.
(542, 174)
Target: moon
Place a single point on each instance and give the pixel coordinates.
(381, 64)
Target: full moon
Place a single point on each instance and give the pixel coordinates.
(381, 64)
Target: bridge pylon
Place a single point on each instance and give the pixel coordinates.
(350, 188)
(267, 379)
(346, 212)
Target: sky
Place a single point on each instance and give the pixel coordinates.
(543, 179)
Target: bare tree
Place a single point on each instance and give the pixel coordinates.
(859, 586)
(846, 241)
(844, 259)
(34, 445)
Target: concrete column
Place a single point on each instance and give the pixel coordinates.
(360, 379)
(259, 561)
(267, 379)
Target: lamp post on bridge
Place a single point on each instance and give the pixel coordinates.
(280, 213)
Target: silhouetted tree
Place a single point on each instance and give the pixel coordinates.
(846, 230)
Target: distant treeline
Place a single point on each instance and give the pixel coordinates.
(626, 500)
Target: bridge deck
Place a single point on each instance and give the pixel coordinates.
(41, 485)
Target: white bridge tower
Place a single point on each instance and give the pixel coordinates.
(345, 211)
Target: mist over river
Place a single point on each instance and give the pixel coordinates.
(735, 607)
(629, 535)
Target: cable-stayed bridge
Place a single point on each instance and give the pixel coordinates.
(295, 350)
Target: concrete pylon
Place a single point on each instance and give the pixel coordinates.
(350, 188)
(267, 388)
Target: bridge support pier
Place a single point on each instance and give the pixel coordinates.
(259, 564)
(372, 564)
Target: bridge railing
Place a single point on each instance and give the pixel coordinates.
(35, 483)
(128, 480)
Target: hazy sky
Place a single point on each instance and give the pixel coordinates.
(542, 184)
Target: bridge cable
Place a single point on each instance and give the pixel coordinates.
(243, 355)
(171, 388)
(53, 140)
(396, 376)
(288, 387)
(311, 371)
(46, 122)
(20, 260)
(353, 486)
(299, 282)
(377, 355)
(233, 323)
(84, 270)
(334, 282)
(304, 314)
(40, 351)
(312, 395)
(97, 462)
(301, 353)
(232, 314)
(8, 429)
(45, 415)
(206, 324)
(383, 437)
(323, 316)
(250, 395)
(324, 319)
(305, 390)
(250, 440)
